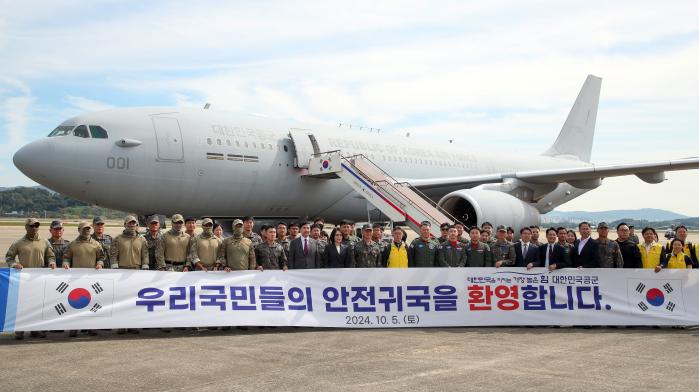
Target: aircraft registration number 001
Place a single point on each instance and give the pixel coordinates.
(118, 163)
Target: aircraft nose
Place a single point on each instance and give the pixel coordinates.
(30, 158)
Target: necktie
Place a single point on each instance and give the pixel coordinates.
(524, 251)
(548, 258)
(305, 247)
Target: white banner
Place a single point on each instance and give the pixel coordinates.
(41, 299)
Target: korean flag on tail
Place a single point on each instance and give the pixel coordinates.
(655, 296)
(77, 298)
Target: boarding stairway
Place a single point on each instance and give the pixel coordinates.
(399, 201)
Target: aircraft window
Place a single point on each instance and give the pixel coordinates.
(262, 145)
(98, 132)
(61, 130)
(254, 145)
(81, 131)
(246, 144)
(208, 141)
(228, 142)
(286, 149)
(237, 143)
(218, 141)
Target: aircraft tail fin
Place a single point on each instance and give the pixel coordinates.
(575, 138)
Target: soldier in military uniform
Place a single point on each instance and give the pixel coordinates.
(104, 239)
(83, 252)
(30, 251)
(503, 251)
(58, 243)
(367, 253)
(444, 229)
(173, 248)
(477, 252)
(451, 253)
(282, 236)
(236, 252)
(129, 249)
(422, 252)
(348, 237)
(562, 234)
(248, 225)
(294, 230)
(269, 254)
(203, 248)
(190, 225)
(154, 239)
(377, 236)
(609, 251)
(460, 232)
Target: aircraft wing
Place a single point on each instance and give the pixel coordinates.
(647, 171)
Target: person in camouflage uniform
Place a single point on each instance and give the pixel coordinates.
(609, 251)
(30, 251)
(237, 253)
(422, 251)
(348, 238)
(203, 248)
(58, 243)
(477, 252)
(367, 253)
(270, 254)
(129, 249)
(172, 250)
(84, 252)
(503, 251)
(451, 253)
(104, 239)
(248, 225)
(154, 240)
(377, 236)
(282, 236)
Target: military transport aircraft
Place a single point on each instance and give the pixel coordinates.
(204, 162)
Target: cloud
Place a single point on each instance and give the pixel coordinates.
(86, 104)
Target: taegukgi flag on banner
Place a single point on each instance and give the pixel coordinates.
(44, 299)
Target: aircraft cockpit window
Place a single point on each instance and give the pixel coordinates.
(81, 131)
(98, 132)
(62, 130)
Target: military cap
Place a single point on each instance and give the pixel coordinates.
(56, 224)
(130, 218)
(177, 218)
(97, 220)
(237, 222)
(153, 218)
(83, 225)
(346, 222)
(207, 221)
(502, 228)
(31, 222)
(603, 225)
(366, 226)
(426, 223)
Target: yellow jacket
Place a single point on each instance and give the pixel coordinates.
(398, 257)
(679, 261)
(652, 257)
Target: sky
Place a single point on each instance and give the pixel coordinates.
(483, 74)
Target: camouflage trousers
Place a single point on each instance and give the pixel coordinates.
(178, 267)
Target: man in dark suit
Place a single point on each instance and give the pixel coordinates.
(303, 251)
(552, 255)
(586, 250)
(526, 252)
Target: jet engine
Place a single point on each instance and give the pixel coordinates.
(474, 206)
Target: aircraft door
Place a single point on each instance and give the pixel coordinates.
(305, 145)
(168, 138)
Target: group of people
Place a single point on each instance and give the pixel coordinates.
(306, 245)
